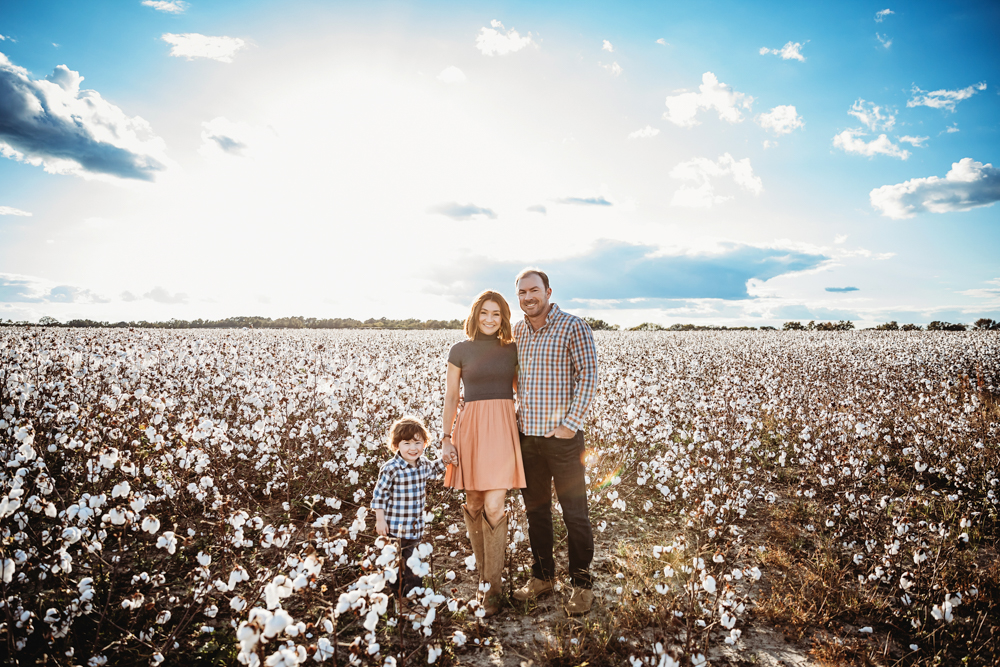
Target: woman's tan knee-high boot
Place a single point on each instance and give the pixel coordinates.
(474, 524)
(494, 552)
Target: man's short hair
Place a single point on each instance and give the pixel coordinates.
(527, 272)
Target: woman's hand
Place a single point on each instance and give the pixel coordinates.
(449, 452)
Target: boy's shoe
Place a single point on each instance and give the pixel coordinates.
(580, 602)
(533, 589)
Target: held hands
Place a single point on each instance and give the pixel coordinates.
(381, 527)
(449, 452)
(562, 432)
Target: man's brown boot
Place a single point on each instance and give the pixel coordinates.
(533, 589)
(580, 602)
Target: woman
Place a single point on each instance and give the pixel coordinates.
(484, 435)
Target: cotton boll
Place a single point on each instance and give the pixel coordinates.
(167, 541)
(277, 623)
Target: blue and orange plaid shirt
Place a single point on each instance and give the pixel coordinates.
(557, 373)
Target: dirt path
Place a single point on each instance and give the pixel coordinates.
(540, 633)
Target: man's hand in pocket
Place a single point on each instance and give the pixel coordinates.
(562, 432)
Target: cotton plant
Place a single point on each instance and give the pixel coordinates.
(247, 447)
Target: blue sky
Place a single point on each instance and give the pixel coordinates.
(728, 163)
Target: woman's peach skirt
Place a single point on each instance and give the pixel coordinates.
(489, 448)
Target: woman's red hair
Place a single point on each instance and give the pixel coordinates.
(505, 334)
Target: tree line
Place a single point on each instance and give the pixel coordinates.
(254, 323)
(982, 324)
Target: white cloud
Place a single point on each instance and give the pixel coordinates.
(916, 142)
(174, 7)
(872, 115)
(943, 99)
(157, 294)
(884, 39)
(491, 41)
(839, 238)
(701, 171)
(644, 133)
(985, 292)
(53, 123)
(769, 144)
(607, 47)
(457, 211)
(880, 15)
(17, 288)
(662, 41)
(790, 51)
(682, 109)
(851, 142)
(160, 295)
(451, 75)
(9, 210)
(191, 45)
(781, 119)
(952, 128)
(223, 137)
(614, 68)
(969, 184)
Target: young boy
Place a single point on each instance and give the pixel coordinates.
(401, 490)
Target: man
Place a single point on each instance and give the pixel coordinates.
(556, 382)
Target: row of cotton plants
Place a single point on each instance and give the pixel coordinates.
(177, 496)
(889, 442)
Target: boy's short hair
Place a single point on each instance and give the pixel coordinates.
(406, 428)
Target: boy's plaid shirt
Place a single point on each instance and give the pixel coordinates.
(557, 372)
(401, 492)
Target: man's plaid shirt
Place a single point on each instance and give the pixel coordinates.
(557, 372)
(401, 492)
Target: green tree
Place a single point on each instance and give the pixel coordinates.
(793, 326)
(945, 326)
(600, 325)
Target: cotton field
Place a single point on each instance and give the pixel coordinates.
(186, 497)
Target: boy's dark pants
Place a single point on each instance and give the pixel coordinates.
(409, 580)
(559, 460)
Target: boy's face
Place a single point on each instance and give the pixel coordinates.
(411, 449)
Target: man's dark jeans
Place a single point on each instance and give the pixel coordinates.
(559, 460)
